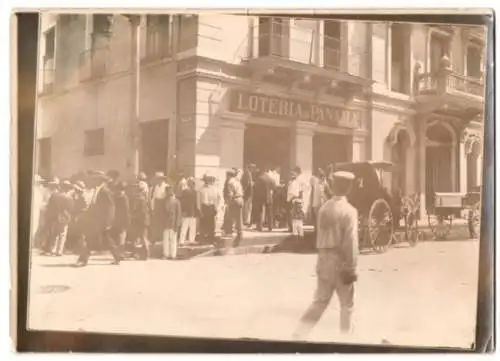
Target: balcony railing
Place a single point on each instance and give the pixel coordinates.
(448, 81)
(93, 63)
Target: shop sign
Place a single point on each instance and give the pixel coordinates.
(290, 109)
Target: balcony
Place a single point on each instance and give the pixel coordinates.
(93, 63)
(447, 89)
(300, 56)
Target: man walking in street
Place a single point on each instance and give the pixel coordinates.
(99, 219)
(337, 243)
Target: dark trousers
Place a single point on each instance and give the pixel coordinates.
(235, 214)
(107, 241)
(138, 237)
(264, 215)
(207, 222)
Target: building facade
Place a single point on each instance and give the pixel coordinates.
(219, 91)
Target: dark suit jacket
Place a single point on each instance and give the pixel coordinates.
(59, 208)
(247, 184)
(122, 213)
(140, 216)
(101, 214)
(264, 189)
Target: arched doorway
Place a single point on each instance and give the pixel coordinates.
(474, 168)
(440, 158)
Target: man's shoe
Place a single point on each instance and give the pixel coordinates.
(80, 264)
(116, 262)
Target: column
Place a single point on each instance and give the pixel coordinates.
(358, 148)
(320, 38)
(411, 152)
(479, 169)
(255, 37)
(231, 134)
(462, 154)
(454, 163)
(421, 166)
(302, 153)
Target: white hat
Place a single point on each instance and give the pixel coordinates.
(344, 175)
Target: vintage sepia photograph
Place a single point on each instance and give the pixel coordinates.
(300, 178)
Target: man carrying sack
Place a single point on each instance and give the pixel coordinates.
(337, 243)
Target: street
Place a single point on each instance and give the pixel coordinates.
(422, 296)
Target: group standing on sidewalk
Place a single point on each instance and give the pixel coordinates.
(96, 210)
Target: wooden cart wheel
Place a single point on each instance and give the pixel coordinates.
(474, 220)
(440, 225)
(380, 226)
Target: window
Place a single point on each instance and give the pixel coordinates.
(157, 36)
(50, 43)
(400, 58)
(102, 24)
(188, 32)
(474, 61)
(332, 44)
(94, 142)
(273, 36)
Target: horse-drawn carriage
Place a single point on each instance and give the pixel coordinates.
(384, 216)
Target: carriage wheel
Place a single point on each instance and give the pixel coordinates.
(380, 226)
(474, 221)
(440, 225)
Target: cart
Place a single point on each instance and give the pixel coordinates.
(444, 208)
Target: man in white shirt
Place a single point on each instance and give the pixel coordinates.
(158, 194)
(337, 243)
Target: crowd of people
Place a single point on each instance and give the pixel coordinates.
(95, 209)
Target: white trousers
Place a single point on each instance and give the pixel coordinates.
(188, 225)
(169, 243)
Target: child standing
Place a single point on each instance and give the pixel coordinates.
(297, 215)
(172, 223)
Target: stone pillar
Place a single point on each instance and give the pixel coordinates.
(479, 169)
(232, 132)
(411, 171)
(462, 154)
(302, 153)
(454, 163)
(320, 38)
(421, 166)
(254, 34)
(358, 152)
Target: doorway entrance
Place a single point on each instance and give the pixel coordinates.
(330, 149)
(154, 146)
(267, 147)
(438, 160)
